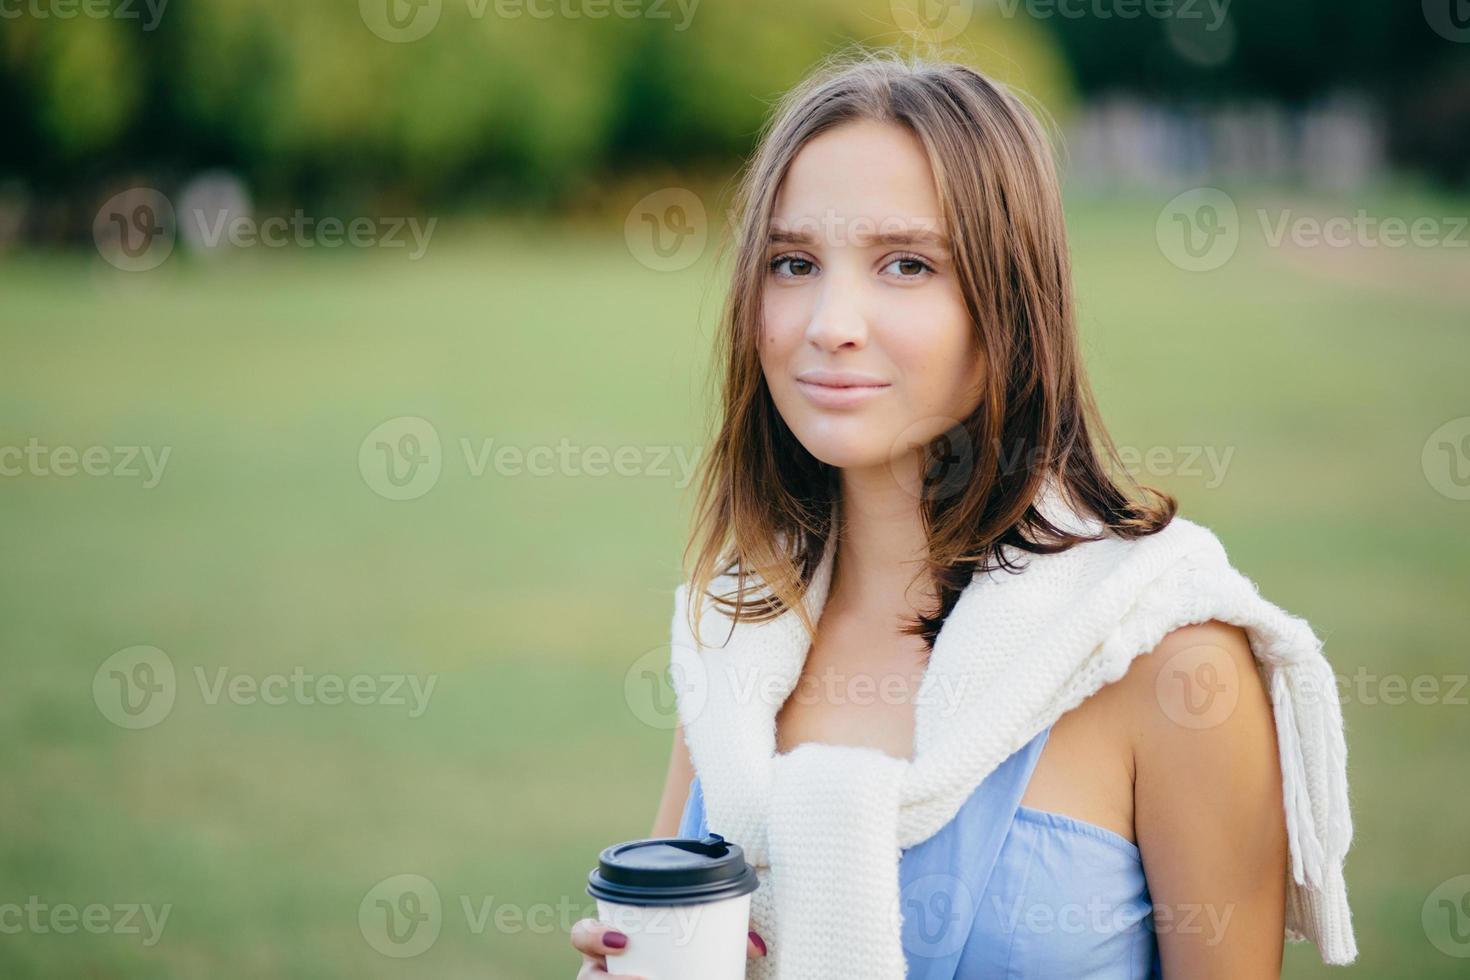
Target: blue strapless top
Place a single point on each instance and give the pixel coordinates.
(1008, 891)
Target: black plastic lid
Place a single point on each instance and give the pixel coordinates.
(671, 871)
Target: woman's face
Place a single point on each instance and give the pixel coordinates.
(866, 345)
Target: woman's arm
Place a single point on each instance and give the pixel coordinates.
(676, 788)
(1208, 805)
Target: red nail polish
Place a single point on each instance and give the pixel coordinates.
(614, 939)
(760, 943)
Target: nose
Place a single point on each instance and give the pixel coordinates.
(838, 320)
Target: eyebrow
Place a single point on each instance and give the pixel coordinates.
(784, 236)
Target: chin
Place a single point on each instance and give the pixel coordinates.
(850, 444)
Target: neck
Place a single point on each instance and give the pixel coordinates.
(881, 545)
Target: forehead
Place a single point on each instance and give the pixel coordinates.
(867, 171)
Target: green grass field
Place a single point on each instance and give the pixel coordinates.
(264, 549)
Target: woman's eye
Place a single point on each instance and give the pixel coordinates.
(908, 267)
(792, 266)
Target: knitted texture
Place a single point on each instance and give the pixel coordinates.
(824, 825)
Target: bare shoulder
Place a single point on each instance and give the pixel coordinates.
(1207, 793)
(1201, 730)
(1185, 727)
(1201, 681)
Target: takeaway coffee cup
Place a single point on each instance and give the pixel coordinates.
(683, 903)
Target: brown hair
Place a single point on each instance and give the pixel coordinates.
(764, 509)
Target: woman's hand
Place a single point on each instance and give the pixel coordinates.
(594, 940)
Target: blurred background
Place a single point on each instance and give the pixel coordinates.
(355, 367)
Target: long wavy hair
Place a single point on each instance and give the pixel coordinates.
(765, 507)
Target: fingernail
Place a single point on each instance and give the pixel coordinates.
(614, 939)
(760, 943)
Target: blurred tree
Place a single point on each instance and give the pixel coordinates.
(1293, 52)
(309, 103)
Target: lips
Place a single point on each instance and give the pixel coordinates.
(839, 389)
(841, 379)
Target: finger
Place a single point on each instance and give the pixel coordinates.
(595, 968)
(755, 946)
(592, 971)
(596, 938)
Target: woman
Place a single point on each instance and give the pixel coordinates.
(906, 416)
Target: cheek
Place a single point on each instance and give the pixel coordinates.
(782, 327)
(937, 355)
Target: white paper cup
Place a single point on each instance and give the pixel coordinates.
(684, 905)
(680, 942)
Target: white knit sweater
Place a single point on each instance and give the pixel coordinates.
(824, 825)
